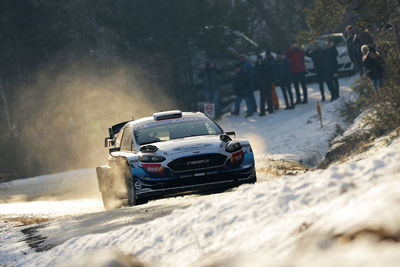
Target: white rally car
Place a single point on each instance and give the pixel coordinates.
(170, 153)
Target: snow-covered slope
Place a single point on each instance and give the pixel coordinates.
(346, 215)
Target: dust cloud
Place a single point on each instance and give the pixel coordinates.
(63, 115)
(258, 143)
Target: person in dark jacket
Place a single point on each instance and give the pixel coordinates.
(373, 64)
(269, 63)
(316, 56)
(259, 73)
(208, 75)
(247, 68)
(333, 67)
(298, 70)
(366, 38)
(329, 68)
(283, 78)
(243, 90)
(260, 80)
(353, 41)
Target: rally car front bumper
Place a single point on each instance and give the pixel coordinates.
(197, 182)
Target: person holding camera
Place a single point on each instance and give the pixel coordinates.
(373, 66)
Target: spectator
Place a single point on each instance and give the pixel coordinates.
(283, 78)
(243, 90)
(260, 80)
(210, 85)
(269, 63)
(353, 46)
(298, 70)
(259, 73)
(316, 56)
(366, 38)
(327, 68)
(247, 68)
(333, 68)
(373, 64)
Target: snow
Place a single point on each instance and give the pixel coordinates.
(345, 215)
(74, 192)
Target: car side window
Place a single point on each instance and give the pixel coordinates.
(126, 142)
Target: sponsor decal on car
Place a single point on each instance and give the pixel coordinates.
(138, 186)
(154, 168)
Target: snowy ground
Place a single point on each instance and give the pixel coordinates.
(347, 215)
(294, 134)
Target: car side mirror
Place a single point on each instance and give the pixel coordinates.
(109, 142)
(114, 149)
(231, 133)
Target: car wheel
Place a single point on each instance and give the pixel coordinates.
(253, 178)
(132, 200)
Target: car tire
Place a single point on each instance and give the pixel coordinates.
(132, 200)
(253, 179)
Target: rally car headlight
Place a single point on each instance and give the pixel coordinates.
(151, 158)
(233, 146)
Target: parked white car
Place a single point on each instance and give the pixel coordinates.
(344, 62)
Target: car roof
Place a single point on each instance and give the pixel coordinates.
(339, 34)
(151, 118)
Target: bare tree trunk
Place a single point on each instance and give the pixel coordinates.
(6, 110)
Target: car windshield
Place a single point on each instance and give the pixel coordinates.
(174, 129)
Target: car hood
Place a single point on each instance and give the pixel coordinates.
(210, 143)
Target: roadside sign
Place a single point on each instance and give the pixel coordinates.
(209, 109)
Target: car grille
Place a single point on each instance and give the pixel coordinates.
(197, 162)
